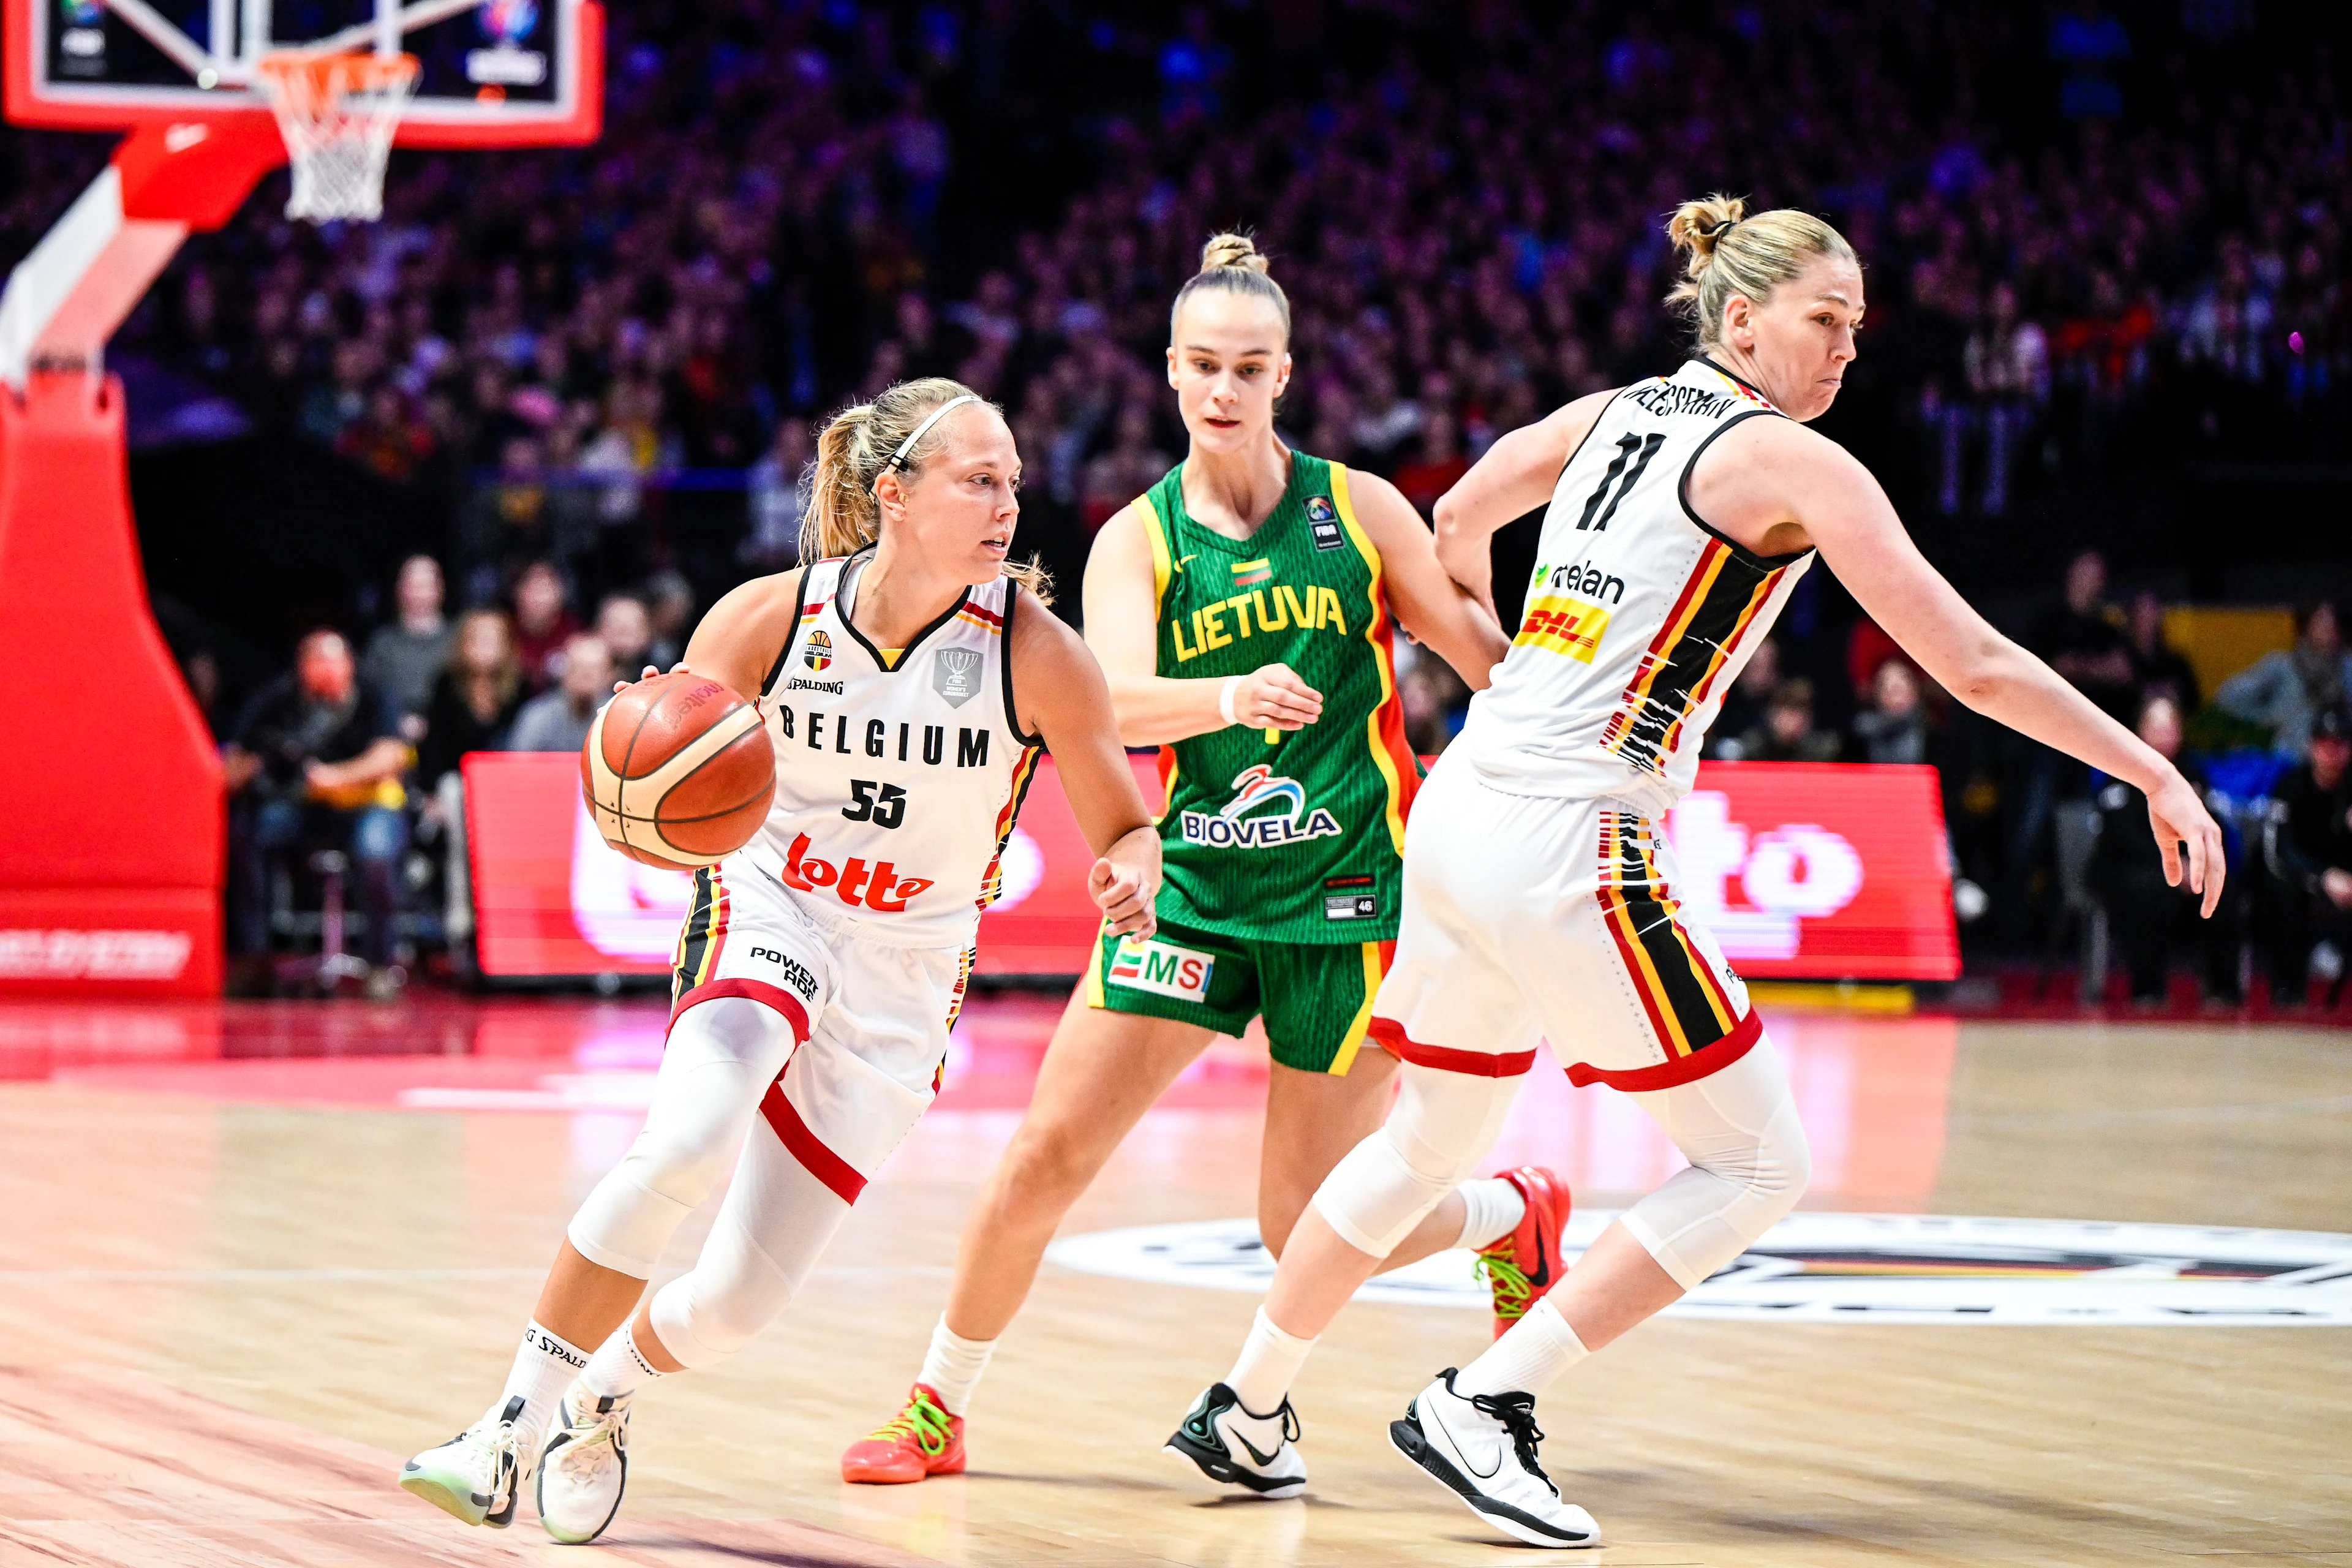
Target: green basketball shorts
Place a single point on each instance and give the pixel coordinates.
(1316, 998)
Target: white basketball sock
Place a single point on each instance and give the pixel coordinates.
(951, 1367)
(618, 1367)
(1492, 1209)
(1539, 1348)
(543, 1368)
(1268, 1365)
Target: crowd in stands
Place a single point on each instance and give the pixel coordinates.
(602, 367)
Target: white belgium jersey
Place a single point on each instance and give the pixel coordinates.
(895, 787)
(1639, 616)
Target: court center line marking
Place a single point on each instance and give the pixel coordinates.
(224, 1276)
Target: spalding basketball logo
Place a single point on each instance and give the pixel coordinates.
(819, 653)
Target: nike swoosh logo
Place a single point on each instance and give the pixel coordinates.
(1251, 1448)
(1180, 566)
(1485, 1474)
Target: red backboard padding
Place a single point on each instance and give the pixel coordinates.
(110, 810)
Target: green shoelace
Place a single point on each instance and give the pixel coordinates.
(926, 1421)
(1513, 1290)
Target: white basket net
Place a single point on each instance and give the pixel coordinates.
(338, 113)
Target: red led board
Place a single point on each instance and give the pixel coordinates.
(1802, 870)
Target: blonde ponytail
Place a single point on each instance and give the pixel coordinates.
(857, 445)
(1232, 262)
(1732, 253)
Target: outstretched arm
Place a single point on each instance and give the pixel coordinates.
(1782, 484)
(1440, 613)
(1063, 698)
(1123, 631)
(739, 638)
(1515, 477)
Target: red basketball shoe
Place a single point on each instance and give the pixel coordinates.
(1526, 1263)
(922, 1440)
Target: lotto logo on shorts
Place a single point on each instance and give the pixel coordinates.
(1564, 625)
(1142, 964)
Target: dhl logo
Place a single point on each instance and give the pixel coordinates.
(1564, 625)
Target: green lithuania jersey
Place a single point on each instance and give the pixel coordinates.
(1273, 835)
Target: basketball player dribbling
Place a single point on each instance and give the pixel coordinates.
(1539, 895)
(908, 680)
(1241, 610)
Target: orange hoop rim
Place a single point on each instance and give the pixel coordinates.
(335, 74)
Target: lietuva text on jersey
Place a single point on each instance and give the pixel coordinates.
(1639, 614)
(897, 780)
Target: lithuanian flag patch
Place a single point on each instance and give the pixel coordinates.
(1250, 573)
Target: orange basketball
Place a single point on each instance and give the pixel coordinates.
(677, 771)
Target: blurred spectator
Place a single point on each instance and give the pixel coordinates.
(669, 599)
(508, 521)
(543, 622)
(2161, 670)
(1743, 705)
(1433, 696)
(2302, 893)
(627, 634)
(1892, 726)
(1438, 466)
(558, 720)
(314, 762)
(2006, 367)
(2145, 912)
(405, 657)
(475, 701)
(2082, 641)
(777, 501)
(2281, 690)
(1133, 466)
(1788, 733)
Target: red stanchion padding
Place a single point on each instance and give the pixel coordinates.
(196, 173)
(111, 818)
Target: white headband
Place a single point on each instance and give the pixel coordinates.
(899, 457)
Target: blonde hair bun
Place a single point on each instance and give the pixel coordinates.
(1232, 250)
(1730, 252)
(1696, 227)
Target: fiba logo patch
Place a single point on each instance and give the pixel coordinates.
(955, 675)
(1323, 522)
(506, 22)
(818, 654)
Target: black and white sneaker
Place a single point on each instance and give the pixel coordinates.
(1482, 1448)
(586, 1467)
(1223, 1440)
(474, 1475)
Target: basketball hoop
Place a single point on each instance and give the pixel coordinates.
(338, 113)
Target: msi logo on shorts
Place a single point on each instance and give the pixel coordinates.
(955, 675)
(1142, 964)
(818, 655)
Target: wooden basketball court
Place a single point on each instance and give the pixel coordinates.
(255, 1253)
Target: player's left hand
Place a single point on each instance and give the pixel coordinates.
(678, 668)
(2180, 820)
(1123, 895)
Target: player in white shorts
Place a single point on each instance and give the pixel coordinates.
(1539, 896)
(910, 680)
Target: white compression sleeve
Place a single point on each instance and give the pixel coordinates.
(1442, 1126)
(1749, 1165)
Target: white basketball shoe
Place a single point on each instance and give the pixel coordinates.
(1482, 1447)
(587, 1465)
(474, 1475)
(1224, 1440)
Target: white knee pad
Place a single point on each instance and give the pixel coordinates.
(721, 1059)
(1442, 1126)
(1749, 1165)
(776, 1223)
